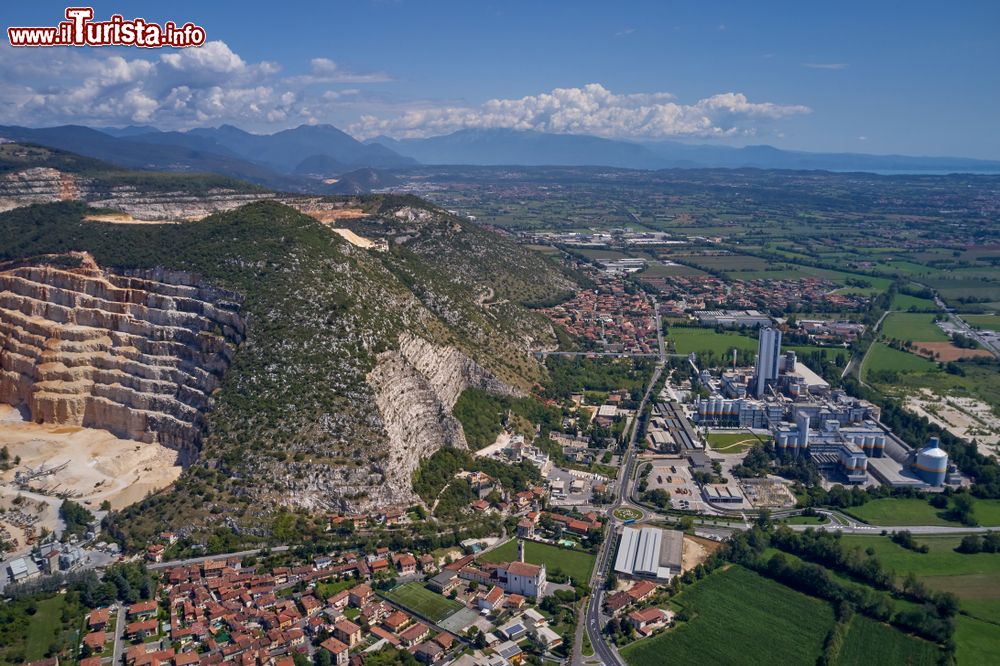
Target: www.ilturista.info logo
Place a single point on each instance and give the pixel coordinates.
(79, 29)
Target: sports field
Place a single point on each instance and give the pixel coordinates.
(739, 617)
(871, 642)
(422, 601)
(574, 563)
(913, 326)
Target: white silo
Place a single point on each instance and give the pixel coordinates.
(932, 463)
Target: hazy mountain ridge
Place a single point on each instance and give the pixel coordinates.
(511, 147)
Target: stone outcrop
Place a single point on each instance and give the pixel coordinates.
(47, 185)
(136, 354)
(415, 390)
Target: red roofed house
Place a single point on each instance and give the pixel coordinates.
(648, 620)
(95, 640)
(396, 621)
(98, 619)
(347, 631)
(337, 649)
(141, 629)
(415, 634)
(360, 595)
(491, 600)
(406, 564)
(641, 590)
(143, 609)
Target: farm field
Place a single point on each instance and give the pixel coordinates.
(881, 358)
(912, 326)
(422, 601)
(871, 642)
(739, 617)
(687, 340)
(707, 340)
(913, 511)
(975, 578)
(574, 563)
(906, 302)
(976, 642)
(988, 322)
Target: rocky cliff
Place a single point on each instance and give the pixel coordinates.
(137, 354)
(416, 387)
(48, 185)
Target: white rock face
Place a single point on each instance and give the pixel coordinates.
(137, 355)
(46, 185)
(416, 388)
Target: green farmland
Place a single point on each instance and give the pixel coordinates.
(914, 511)
(422, 601)
(912, 326)
(882, 358)
(871, 642)
(975, 578)
(739, 617)
(988, 322)
(574, 563)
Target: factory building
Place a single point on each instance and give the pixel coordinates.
(733, 318)
(738, 413)
(768, 360)
(845, 449)
(650, 552)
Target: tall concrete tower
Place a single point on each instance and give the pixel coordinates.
(520, 550)
(768, 355)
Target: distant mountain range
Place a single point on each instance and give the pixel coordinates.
(310, 158)
(526, 148)
(298, 159)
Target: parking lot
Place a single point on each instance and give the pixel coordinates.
(674, 476)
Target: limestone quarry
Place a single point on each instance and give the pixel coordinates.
(47, 185)
(112, 372)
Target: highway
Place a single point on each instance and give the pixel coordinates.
(967, 330)
(605, 652)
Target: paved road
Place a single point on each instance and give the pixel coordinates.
(220, 556)
(116, 657)
(607, 653)
(967, 330)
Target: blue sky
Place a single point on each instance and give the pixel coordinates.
(904, 77)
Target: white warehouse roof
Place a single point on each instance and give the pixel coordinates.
(641, 553)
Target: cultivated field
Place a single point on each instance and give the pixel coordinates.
(913, 511)
(739, 617)
(976, 642)
(882, 357)
(871, 642)
(422, 601)
(975, 578)
(916, 327)
(574, 563)
(988, 322)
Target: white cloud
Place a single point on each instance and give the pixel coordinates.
(173, 89)
(624, 32)
(825, 65)
(592, 109)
